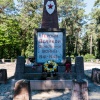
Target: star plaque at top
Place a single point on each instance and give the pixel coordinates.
(50, 7)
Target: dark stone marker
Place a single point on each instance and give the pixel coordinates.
(50, 17)
(79, 68)
(22, 90)
(19, 72)
(79, 90)
(3, 75)
(95, 76)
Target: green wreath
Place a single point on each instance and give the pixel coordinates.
(50, 66)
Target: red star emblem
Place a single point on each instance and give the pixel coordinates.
(50, 6)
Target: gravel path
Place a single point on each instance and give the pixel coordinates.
(6, 93)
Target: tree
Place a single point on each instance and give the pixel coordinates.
(17, 24)
(90, 38)
(96, 17)
(5, 5)
(72, 13)
(29, 19)
(8, 30)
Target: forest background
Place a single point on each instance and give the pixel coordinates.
(19, 20)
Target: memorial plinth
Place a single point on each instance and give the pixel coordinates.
(50, 84)
(79, 90)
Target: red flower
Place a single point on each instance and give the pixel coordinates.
(68, 67)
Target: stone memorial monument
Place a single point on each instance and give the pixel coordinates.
(49, 45)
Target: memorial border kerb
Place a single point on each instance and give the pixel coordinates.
(50, 30)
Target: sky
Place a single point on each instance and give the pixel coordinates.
(89, 5)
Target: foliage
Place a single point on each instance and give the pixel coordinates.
(72, 14)
(29, 20)
(98, 47)
(96, 17)
(18, 21)
(89, 57)
(17, 28)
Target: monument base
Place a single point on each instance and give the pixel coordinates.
(50, 84)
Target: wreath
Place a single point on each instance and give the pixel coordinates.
(50, 66)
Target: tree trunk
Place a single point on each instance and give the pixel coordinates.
(91, 45)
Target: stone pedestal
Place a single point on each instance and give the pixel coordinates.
(80, 90)
(22, 90)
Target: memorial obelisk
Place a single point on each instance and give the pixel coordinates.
(50, 17)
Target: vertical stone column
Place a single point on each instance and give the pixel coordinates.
(20, 64)
(79, 68)
(50, 17)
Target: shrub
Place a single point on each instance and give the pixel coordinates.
(89, 57)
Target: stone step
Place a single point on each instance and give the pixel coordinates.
(50, 84)
(39, 69)
(32, 76)
(39, 76)
(29, 69)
